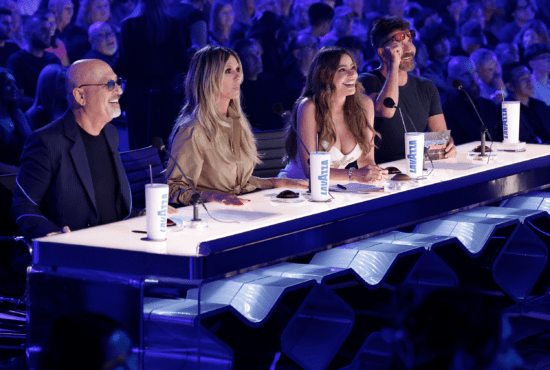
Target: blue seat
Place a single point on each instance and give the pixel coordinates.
(136, 165)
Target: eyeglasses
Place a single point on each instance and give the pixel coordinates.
(110, 84)
(400, 36)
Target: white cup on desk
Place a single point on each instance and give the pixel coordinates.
(414, 153)
(510, 121)
(319, 173)
(156, 204)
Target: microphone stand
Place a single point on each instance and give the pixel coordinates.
(196, 221)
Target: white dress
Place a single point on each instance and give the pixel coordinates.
(293, 169)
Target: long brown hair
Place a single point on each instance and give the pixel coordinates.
(319, 89)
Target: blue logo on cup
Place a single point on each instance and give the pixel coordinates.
(413, 155)
(505, 122)
(323, 178)
(162, 212)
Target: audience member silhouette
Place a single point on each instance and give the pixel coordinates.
(7, 47)
(27, 63)
(50, 102)
(260, 91)
(57, 46)
(534, 125)
(17, 30)
(342, 26)
(222, 18)
(519, 13)
(320, 17)
(14, 129)
(151, 59)
(537, 57)
(193, 22)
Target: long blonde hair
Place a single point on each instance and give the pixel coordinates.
(202, 85)
(319, 88)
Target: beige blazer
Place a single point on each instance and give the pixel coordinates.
(205, 168)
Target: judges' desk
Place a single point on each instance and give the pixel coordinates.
(269, 232)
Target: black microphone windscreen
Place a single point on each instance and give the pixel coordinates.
(158, 143)
(278, 109)
(389, 103)
(457, 84)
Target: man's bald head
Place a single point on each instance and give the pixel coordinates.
(83, 72)
(463, 69)
(93, 91)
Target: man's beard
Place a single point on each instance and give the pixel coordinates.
(409, 65)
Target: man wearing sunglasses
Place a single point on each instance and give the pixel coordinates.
(71, 175)
(417, 97)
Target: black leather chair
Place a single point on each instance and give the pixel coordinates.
(271, 148)
(136, 164)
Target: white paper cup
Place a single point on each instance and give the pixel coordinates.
(414, 153)
(319, 172)
(510, 121)
(156, 203)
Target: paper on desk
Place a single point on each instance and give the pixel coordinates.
(355, 187)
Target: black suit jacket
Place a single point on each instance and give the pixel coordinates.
(54, 184)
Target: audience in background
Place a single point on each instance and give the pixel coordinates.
(14, 129)
(17, 34)
(260, 91)
(507, 54)
(471, 38)
(57, 46)
(534, 124)
(519, 13)
(222, 18)
(104, 43)
(474, 12)
(74, 36)
(537, 56)
(27, 63)
(459, 114)
(193, 23)
(151, 59)
(121, 9)
(342, 26)
(320, 17)
(51, 97)
(534, 32)
(490, 74)
(7, 47)
(301, 52)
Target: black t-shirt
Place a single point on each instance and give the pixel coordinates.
(102, 169)
(26, 69)
(418, 99)
(6, 51)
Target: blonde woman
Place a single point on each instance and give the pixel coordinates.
(211, 139)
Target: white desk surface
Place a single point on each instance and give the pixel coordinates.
(262, 212)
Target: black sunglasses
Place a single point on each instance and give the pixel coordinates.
(110, 84)
(400, 36)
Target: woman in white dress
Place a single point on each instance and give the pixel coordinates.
(334, 108)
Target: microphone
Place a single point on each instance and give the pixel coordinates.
(457, 84)
(390, 103)
(196, 197)
(279, 110)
